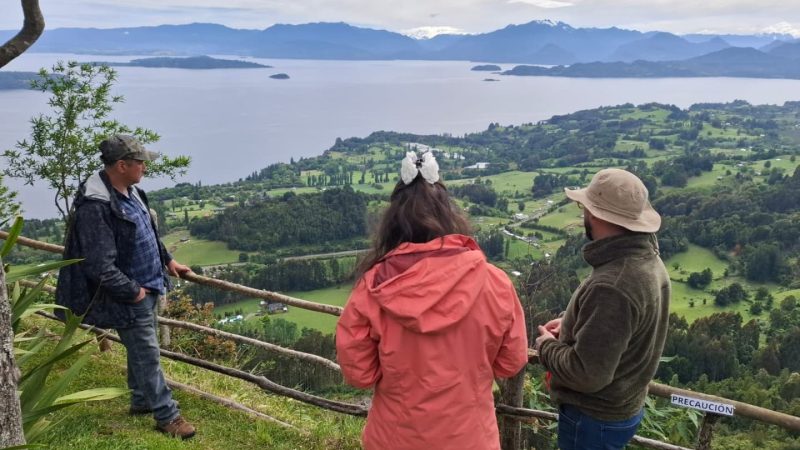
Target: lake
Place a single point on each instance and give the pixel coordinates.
(233, 122)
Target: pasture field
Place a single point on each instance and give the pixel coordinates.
(695, 259)
(303, 318)
(195, 251)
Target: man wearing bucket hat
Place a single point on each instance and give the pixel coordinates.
(605, 350)
(123, 272)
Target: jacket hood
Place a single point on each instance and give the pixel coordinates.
(94, 188)
(98, 187)
(428, 287)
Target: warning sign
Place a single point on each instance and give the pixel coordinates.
(703, 405)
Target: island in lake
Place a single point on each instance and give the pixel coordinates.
(730, 62)
(486, 68)
(192, 62)
(16, 80)
(280, 76)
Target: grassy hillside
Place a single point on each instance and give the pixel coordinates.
(302, 317)
(106, 425)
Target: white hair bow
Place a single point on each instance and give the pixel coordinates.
(426, 165)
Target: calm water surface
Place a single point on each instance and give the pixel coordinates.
(236, 121)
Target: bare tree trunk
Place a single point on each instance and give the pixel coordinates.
(32, 28)
(10, 414)
(511, 395)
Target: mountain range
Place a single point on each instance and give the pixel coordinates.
(537, 42)
(780, 62)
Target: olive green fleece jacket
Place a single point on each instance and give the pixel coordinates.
(613, 330)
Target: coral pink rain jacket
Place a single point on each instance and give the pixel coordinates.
(429, 327)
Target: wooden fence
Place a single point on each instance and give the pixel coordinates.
(785, 421)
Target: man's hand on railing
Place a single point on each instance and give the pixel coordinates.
(177, 269)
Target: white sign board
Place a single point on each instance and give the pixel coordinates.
(703, 405)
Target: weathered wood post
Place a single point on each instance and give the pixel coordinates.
(10, 414)
(163, 330)
(706, 432)
(511, 395)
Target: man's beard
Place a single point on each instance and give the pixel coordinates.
(587, 227)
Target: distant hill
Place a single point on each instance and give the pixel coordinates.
(665, 47)
(740, 40)
(730, 62)
(486, 68)
(789, 50)
(193, 62)
(16, 80)
(553, 54)
(538, 42)
(332, 41)
(191, 39)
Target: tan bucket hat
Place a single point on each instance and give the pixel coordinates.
(619, 197)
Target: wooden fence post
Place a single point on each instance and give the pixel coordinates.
(706, 432)
(510, 427)
(163, 330)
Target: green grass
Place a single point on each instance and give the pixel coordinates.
(709, 179)
(520, 249)
(508, 183)
(780, 295)
(198, 251)
(682, 293)
(106, 425)
(695, 259)
(568, 217)
(485, 223)
(302, 317)
(193, 210)
(657, 115)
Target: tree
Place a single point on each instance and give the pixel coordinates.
(63, 148)
(11, 417)
(764, 263)
(700, 280)
(8, 204)
(32, 28)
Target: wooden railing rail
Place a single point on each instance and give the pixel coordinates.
(522, 414)
(332, 405)
(780, 419)
(199, 279)
(260, 381)
(785, 421)
(310, 357)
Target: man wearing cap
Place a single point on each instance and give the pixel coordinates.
(123, 272)
(605, 350)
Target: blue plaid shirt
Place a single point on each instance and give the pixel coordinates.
(145, 267)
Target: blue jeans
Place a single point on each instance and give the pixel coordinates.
(145, 379)
(579, 431)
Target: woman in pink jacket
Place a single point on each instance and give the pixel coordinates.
(429, 324)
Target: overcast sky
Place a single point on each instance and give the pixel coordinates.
(467, 16)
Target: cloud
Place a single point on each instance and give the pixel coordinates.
(783, 28)
(429, 32)
(547, 4)
(471, 16)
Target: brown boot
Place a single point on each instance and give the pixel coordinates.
(178, 427)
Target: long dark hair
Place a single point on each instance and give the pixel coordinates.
(418, 212)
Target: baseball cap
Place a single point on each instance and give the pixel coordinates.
(123, 146)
